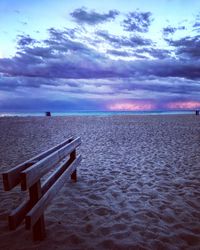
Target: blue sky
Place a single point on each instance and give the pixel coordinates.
(99, 55)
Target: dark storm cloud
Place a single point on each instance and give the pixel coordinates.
(62, 61)
(57, 34)
(168, 86)
(83, 16)
(171, 30)
(24, 104)
(78, 65)
(137, 21)
(38, 53)
(120, 41)
(25, 40)
(10, 83)
(171, 68)
(61, 43)
(156, 53)
(159, 85)
(138, 41)
(62, 58)
(72, 33)
(129, 54)
(118, 53)
(187, 47)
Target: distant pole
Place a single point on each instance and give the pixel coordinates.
(48, 113)
(197, 112)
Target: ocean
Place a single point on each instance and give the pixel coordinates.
(97, 113)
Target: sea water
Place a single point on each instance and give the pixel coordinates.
(97, 113)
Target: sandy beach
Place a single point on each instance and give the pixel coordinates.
(138, 184)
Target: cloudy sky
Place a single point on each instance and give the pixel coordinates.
(64, 55)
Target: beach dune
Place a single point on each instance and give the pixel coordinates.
(138, 184)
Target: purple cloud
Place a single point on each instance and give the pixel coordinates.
(83, 16)
(25, 40)
(120, 41)
(171, 30)
(70, 63)
(187, 47)
(137, 21)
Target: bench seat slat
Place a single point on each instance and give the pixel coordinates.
(18, 214)
(36, 171)
(55, 175)
(38, 209)
(12, 177)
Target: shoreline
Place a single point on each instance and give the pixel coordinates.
(98, 113)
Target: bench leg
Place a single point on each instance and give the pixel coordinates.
(72, 158)
(74, 176)
(38, 229)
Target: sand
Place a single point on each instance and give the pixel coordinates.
(138, 184)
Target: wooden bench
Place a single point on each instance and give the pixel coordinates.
(63, 160)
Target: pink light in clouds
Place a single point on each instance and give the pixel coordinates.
(130, 106)
(184, 105)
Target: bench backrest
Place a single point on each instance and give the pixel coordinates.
(11, 178)
(32, 174)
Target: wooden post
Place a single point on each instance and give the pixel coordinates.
(72, 158)
(35, 193)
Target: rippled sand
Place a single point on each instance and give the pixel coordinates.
(138, 185)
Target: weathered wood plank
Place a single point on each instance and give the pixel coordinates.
(35, 172)
(74, 174)
(35, 213)
(18, 215)
(38, 229)
(55, 175)
(12, 177)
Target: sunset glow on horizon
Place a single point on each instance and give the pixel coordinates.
(141, 106)
(131, 106)
(184, 105)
